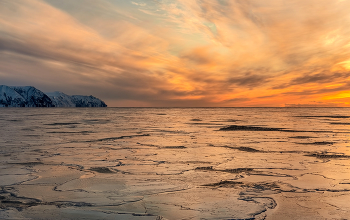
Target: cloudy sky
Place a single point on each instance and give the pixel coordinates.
(180, 52)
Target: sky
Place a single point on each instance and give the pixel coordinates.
(181, 53)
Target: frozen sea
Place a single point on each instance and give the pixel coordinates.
(174, 163)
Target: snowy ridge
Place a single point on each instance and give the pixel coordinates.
(63, 100)
(34, 97)
(60, 99)
(87, 101)
(9, 97)
(23, 96)
(29, 96)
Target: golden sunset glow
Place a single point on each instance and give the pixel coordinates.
(180, 53)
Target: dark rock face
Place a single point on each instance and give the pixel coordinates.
(34, 97)
(87, 101)
(26, 96)
(9, 97)
(60, 99)
(63, 100)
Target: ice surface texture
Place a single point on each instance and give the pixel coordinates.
(174, 163)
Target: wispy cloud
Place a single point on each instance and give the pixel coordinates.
(180, 53)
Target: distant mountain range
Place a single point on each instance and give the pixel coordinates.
(29, 96)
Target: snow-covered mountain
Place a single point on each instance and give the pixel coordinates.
(28, 96)
(34, 97)
(9, 97)
(23, 96)
(63, 100)
(60, 99)
(87, 101)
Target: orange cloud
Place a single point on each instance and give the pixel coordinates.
(180, 53)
